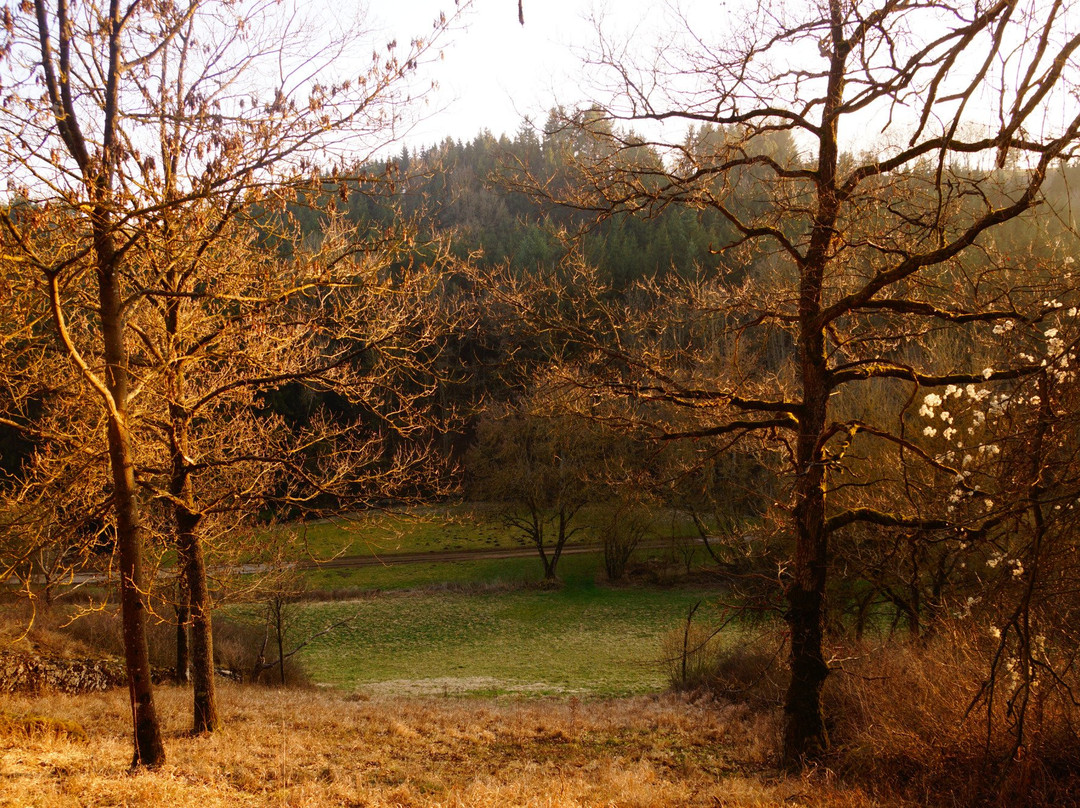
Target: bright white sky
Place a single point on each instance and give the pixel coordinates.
(496, 71)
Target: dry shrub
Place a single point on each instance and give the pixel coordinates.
(905, 720)
(740, 665)
(26, 629)
(237, 644)
(100, 629)
(690, 656)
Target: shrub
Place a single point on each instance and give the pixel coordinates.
(732, 662)
(905, 719)
(237, 644)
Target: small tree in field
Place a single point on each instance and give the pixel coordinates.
(538, 467)
(132, 120)
(628, 522)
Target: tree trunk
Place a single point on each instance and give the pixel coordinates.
(188, 545)
(204, 704)
(279, 624)
(805, 736)
(149, 749)
(193, 571)
(183, 618)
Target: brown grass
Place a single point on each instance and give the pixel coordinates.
(904, 715)
(309, 748)
(905, 720)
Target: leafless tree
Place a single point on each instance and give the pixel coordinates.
(857, 271)
(540, 464)
(236, 101)
(335, 317)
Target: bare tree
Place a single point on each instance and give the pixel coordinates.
(238, 325)
(238, 101)
(861, 266)
(538, 466)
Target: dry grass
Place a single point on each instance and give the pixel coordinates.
(904, 721)
(310, 748)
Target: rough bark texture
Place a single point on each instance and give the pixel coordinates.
(190, 551)
(183, 623)
(805, 736)
(149, 749)
(204, 699)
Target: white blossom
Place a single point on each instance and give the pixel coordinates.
(929, 402)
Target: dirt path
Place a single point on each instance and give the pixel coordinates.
(448, 556)
(391, 559)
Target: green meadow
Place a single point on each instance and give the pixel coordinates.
(582, 639)
(484, 625)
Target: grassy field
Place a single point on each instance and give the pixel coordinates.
(434, 528)
(582, 639)
(414, 530)
(487, 572)
(479, 626)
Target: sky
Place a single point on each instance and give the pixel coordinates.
(495, 71)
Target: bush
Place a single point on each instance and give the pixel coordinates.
(905, 719)
(237, 642)
(734, 663)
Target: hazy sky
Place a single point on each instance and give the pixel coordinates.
(495, 71)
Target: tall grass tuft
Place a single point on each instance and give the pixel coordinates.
(907, 717)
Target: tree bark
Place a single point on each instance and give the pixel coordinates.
(805, 735)
(183, 619)
(279, 625)
(149, 749)
(193, 570)
(204, 697)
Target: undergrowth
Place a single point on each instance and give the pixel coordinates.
(907, 719)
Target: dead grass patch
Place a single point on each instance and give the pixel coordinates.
(313, 749)
(905, 720)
